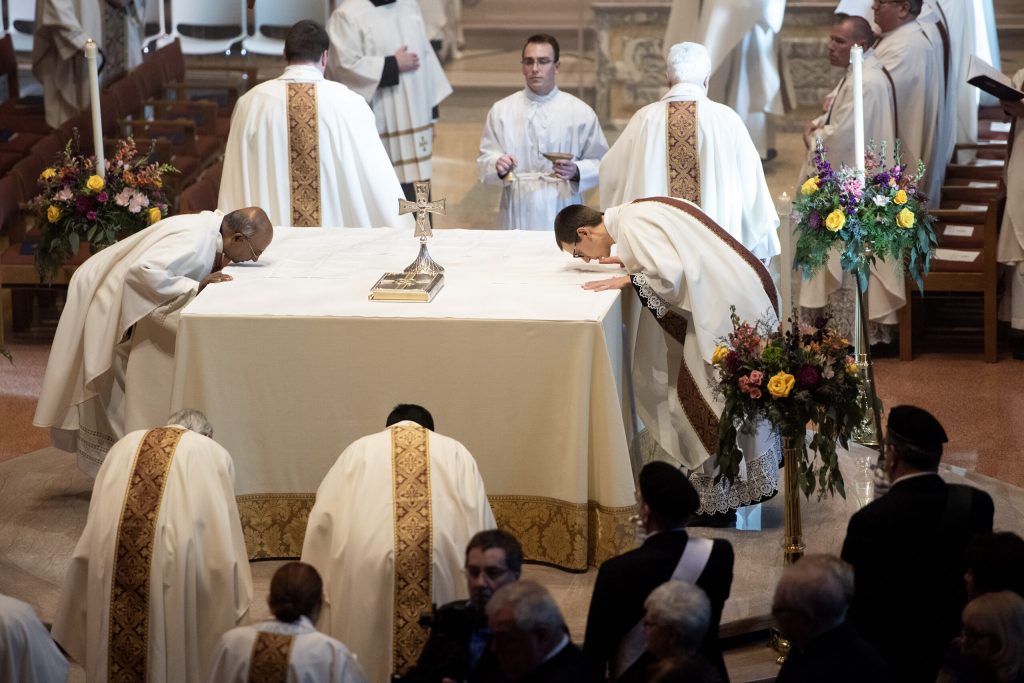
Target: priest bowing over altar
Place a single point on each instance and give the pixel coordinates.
(306, 149)
(688, 273)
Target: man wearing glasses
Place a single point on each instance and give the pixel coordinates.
(521, 128)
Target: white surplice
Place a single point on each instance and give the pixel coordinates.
(91, 397)
(313, 657)
(362, 36)
(27, 652)
(200, 584)
(683, 267)
(740, 36)
(358, 185)
(350, 539)
(58, 51)
(1011, 236)
(524, 125)
(962, 99)
(733, 191)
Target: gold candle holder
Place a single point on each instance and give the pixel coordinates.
(793, 545)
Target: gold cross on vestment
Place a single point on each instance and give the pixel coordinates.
(422, 208)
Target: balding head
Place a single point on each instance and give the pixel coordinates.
(812, 597)
(247, 233)
(689, 63)
(847, 32)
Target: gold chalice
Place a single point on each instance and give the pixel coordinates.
(557, 156)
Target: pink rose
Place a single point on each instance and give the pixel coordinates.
(744, 382)
(755, 393)
(756, 376)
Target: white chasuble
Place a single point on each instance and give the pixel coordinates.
(306, 151)
(732, 189)
(688, 272)
(388, 534)
(161, 571)
(362, 35)
(27, 652)
(1011, 236)
(525, 125)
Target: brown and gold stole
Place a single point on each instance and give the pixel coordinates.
(269, 661)
(115, 48)
(304, 154)
(410, 476)
(681, 150)
(128, 644)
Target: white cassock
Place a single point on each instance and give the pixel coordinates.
(312, 656)
(349, 181)
(58, 50)
(27, 652)
(199, 584)
(733, 191)
(886, 293)
(688, 272)
(740, 36)
(1011, 236)
(362, 37)
(112, 361)
(959, 20)
(387, 556)
(524, 125)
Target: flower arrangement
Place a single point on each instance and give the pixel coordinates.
(78, 205)
(789, 378)
(880, 215)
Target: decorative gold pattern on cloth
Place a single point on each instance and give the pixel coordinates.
(114, 47)
(128, 644)
(410, 476)
(408, 131)
(274, 524)
(681, 151)
(701, 416)
(269, 661)
(304, 154)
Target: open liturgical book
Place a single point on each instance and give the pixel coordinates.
(420, 287)
(983, 75)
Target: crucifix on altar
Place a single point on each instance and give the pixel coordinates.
(423, 278)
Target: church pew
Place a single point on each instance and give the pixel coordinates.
(18, 113)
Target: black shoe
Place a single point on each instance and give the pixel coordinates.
(1017, 347)
(885, 350)
(717, 519)
(772, 153)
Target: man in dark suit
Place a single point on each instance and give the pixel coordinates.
(623, 583)
(908, 550)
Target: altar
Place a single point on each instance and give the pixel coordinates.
(291, 362)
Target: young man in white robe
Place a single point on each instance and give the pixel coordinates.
(740, 35)
(886, 293)
(1011, 237)
(161, 569)
(58, 49)
(388, 533)
(380, 49)
(306, 149)
(718, 168)
(111, 366)
(688, 272)
(27, 652)
(522, 127)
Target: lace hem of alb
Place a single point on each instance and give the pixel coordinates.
(649, 296)
(761, 483)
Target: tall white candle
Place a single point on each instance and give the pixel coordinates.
(784, 206)
(94, 100)
(857, 67)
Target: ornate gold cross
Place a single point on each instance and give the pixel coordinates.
(422, 208)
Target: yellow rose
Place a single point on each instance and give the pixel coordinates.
(810, 186)
(900, 198)
(719, 355)
(53, 214)
(892, 182)
(47, 174)
(852, 369)
(154, 215)
(781, 384)
(95, 183)
(835, 220)
(905, 218)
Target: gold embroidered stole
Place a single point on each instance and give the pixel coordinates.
(681, 150)
(410, 476)
(304, 154)
(128, 644)
(269, 661)
(115, 49)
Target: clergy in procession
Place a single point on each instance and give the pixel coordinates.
(688, 272)
(689, 147)
(161, 570)
(111, 367)
(388, 532)
(58, 49)
(27, 652)
(835, 130)
(740, 36)
(1011, 238)
(306, 149)
(380, 49)
(524, 126)
(288, 643)
(957, 21)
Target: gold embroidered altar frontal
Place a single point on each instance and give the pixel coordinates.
(269, 661)
(304, 154)
(128, 645)
(681, 150)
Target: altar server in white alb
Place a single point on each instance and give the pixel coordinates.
(306, 149)
(1011, 237)
(58, 49)
(288, 643)
(688, 147)
(379, 49)
(27, 652)
(388, 534)
(522, 127)
(161, 570)
(740, 36)
(111, 366)
(688, 272)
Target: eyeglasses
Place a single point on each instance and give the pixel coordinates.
(489, 573)
(575, 253)
(255, 256)
(543, 61)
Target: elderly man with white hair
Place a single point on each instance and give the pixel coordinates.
(689, 147)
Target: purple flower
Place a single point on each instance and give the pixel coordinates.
(807, 377)
(815, 221)
(732, 362)
(91, 215)
(82, 204)
(102, 197)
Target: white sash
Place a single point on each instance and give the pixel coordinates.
(695, 557)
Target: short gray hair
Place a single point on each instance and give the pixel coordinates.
(192, 420)
(688, 63)
(823, 588)
(533, 608)
(684, 608)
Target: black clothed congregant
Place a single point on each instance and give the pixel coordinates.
(837, 656)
